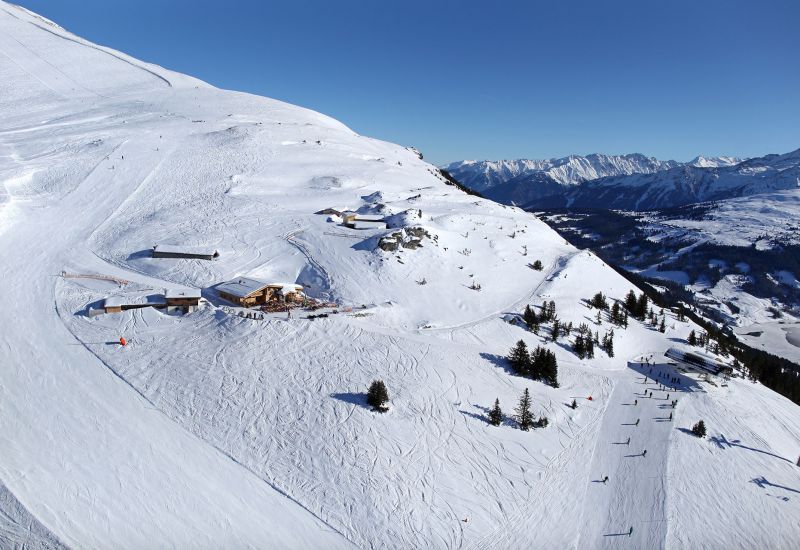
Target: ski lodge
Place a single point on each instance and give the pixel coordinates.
(190, 252)
(247, 292)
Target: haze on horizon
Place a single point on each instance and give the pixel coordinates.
(465, 80)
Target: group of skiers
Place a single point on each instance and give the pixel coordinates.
(649, 394)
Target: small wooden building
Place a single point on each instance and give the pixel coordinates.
(363, 221)
(186, 299)
(190, 252)
(124, 302)
(248, 292)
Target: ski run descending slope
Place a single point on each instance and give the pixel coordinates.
(213, 430)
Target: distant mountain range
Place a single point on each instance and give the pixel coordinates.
(724, 230)
(630, 182)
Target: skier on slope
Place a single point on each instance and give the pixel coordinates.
(644, 453)
(635, 402)
(605, 479)
(630, 531)
(637, 421)
(628, 442)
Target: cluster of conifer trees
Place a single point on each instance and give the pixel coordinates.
(540, 364)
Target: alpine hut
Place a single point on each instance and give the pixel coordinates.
(186, 299)
(248, 292)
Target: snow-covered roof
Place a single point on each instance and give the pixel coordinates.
(359, 224)
(178, 249)
(287, 288)
(172, 293)
(369, 217)
(242, 286)
(137, 298)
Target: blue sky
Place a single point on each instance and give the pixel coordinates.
(490, 80)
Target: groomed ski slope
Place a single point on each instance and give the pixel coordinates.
(211, 430)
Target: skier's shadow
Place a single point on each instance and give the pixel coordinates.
(625, 534)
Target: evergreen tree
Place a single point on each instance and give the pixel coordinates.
(599, 319)
(556, 329)
(625, 320)
(524, 416)
(699, 429)
(662, 327)
(531, 319)
(599, 301)
(537, 265)
(550, 371)
(616, 317)
(496, 414)
(692, 340)
(377, 395)
(537, 363)
(545, 310)
(608, 343)
(630, 302)
(519, 358)
(580, 346)
(641, 307)
(574, 404)
(590, 348)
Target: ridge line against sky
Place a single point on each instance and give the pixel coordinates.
(473, 80)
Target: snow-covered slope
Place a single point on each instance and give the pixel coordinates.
(215, 430)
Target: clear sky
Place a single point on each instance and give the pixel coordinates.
(490, 79)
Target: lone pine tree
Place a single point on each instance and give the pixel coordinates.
(523, 413)
(377, 395)
(496, 414)
(699, 429)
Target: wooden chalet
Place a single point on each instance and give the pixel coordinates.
(186, 299)
(248, 292)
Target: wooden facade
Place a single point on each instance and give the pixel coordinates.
(247, 292)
